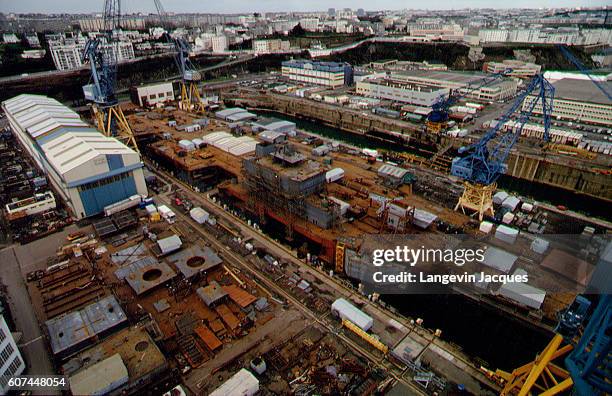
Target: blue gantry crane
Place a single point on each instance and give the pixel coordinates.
(437, 119)
(482, 163)
(102, 52)
(583, 336)
(190, 76)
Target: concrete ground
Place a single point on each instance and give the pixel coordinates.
(17, 261)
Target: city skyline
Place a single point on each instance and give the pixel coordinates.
(238, 6)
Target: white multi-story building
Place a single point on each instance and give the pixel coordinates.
(67, 53)
(269, 46)
(33, 40)
(310, 24)
(493, 35)
(578, 101)
(151, 95)
(437, 31)
(386, 88)
(330, 74)
(519, 68)
(34, 54)
(219, 43)
(11, 362)
(463, 82)
(10, 38)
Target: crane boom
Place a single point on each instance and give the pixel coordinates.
(438, 117)
(481, 165)
(603, 87)
(484, 166)
(102, 54)
(590, 363)
(190, 96)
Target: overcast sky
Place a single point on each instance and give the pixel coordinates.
(242, 6)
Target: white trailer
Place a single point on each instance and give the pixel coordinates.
(345, 310)
(127, 203)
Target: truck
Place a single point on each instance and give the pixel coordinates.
(167, 214)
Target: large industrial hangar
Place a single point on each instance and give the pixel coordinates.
(87, 169)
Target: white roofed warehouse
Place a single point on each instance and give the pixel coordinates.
(86, 169)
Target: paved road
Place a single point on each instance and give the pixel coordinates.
(32, 345)
(16, 261)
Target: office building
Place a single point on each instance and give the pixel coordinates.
(579, 101)
(519, 69)
(151, 95)
(412, 93)
(465, 82)
(329, 74)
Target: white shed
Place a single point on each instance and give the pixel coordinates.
(243, 383)
(334, 175)
(169, 244)
(346, 310)
(199, 215)
(523, 293)
(186, 145)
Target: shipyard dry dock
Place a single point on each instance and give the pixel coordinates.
(322, 198)
(575, 171)
(195, 286)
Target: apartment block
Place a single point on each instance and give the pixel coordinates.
(268, 46)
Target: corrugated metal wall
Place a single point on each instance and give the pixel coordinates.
(95, 199)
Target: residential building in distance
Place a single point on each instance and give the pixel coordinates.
(268, 46)
(151, 95)
(537, 35)
(310, 24)
(33, 40)
(576, 100)
(519, 68)
(498, 90)
(10, 38)
(437, 31)
(330, 74)
(34, 54)
(97, 24)
(67, 53)
(11, 362)
(219, 43)
(397, 65)
(413, 93)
